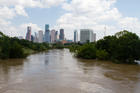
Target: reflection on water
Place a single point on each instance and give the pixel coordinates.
(57, 71)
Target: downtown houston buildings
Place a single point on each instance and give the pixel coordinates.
(40, 36)
(53, 36)
(87, 35)
(47, 34)
(75, 36)
(28, 34)
(62, 35)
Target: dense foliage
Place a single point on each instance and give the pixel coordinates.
(123, 47)
(58, 46)
(87, 51)
(15, 48)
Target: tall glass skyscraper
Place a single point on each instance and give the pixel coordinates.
(56, 36)
(47, 34)
(61, 36)
(75, 36)
(28, 35)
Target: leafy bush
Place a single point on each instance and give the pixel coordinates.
(74, 48)
(87, 51)
(123, 47)
(15, 48)
(102, 55)
(58, 46)
(16, 51)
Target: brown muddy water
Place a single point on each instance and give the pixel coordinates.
(57, 71)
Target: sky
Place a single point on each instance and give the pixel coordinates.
(115, 15)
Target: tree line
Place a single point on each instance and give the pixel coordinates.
(123, 47)
(12, 47)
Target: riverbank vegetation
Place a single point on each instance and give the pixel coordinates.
(58, 45)
(123, 47)
(15, 48)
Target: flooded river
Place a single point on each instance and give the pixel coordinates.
(57, 71)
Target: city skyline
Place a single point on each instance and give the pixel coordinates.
(115, 15)
(48, 35)
(54, 36)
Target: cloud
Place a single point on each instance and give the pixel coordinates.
(50, 3)
(35, 28)
(95, 14)
(12, 8)
(131, 24)
(20, 10)
(92, 14)
(6, 13)
(31, 3)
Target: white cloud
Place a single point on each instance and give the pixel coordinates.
(95, 14)
(50, 3)
(31, 3)
(19, 30)
(12, 8)
(35, 28)
(131, 24)
(92, 14)
(20, 10)
(6, 13)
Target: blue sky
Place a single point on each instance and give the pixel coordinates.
(40, 16)
(16, 15)
(129, 7)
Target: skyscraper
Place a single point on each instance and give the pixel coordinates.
(40, 36)
(52, 36)
(56, 36)
(75, 36)
(36, 37)
(87, 35)
(32, 38)
(28, 34)
(47, 34)
(61, 36)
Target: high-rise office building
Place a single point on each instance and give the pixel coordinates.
(40, 36)
(28, 34)
(52, 36)
(56, 36)
(47, 34)
(62, 35)
(36, 38)
(32, 38)
(87, 35)
(75, 36)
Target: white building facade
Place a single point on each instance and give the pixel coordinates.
(40, 36)
(75, 36)
(87, 35)
(53, 36)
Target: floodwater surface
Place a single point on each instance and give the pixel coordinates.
(58, 71)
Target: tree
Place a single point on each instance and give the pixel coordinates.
(102, 55)
(87, 51)
(16, 51)
(122, 47)
(127, 46)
